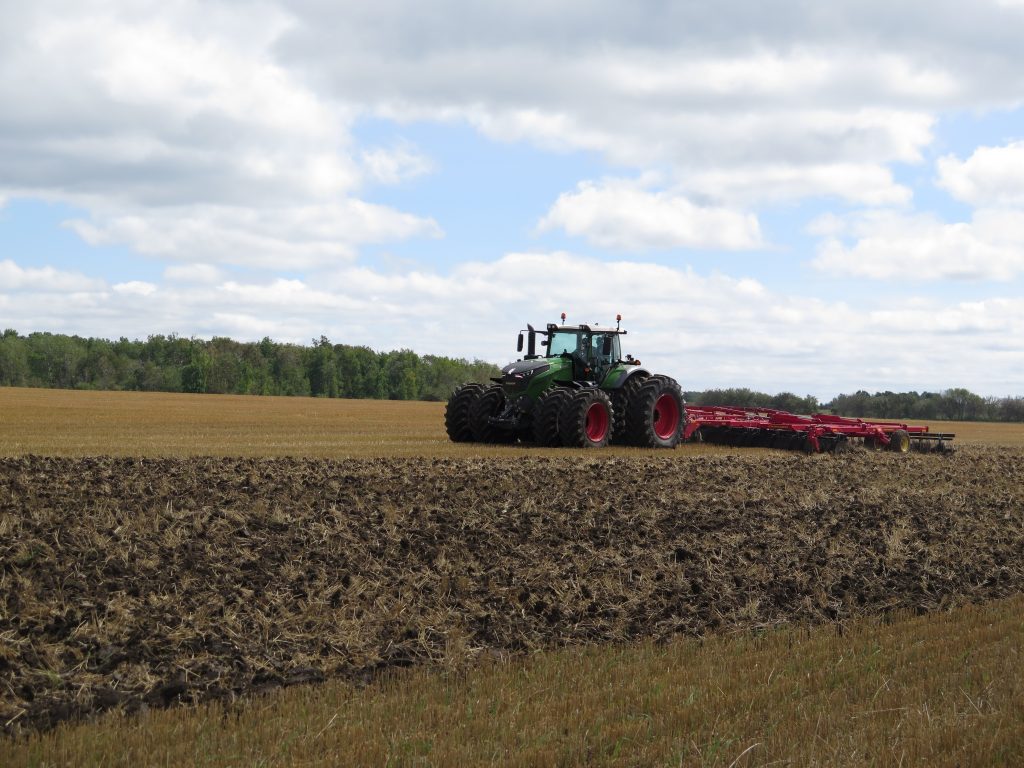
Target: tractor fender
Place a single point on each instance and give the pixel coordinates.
(619, 381)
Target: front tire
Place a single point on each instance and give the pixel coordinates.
(456, 413)
(545, 416)
(656, 415)
(490, 403)
(586, 420)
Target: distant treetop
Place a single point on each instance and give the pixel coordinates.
(324, 369)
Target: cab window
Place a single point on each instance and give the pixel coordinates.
(561, 342)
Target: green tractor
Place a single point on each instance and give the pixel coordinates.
(580, 393)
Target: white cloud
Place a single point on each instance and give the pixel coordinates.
(793, 135)
(622, 214)
(789, 91)
(165, 103)
(991, 176)
(134, 288)
(856, 183)
(705, 329)
(827, 225)
(781, 74)
(43, 279)
(277, 294)
(226, 104)
(894, 246)
(177, 131)
(395, 165)
(283, 238)
(193, 273)
(216, 105)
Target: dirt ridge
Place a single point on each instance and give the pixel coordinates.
(128, 582)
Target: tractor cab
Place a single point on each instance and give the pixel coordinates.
(593, 349)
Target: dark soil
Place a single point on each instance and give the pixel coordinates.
(130, 583)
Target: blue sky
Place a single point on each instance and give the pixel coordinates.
(783, 200)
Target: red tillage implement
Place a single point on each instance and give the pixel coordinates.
(769, 428)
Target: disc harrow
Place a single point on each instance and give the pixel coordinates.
(821, 432)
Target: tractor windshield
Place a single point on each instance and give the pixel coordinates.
(563, 342)
(590, 345)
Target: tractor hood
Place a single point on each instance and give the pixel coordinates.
(524, 369)
(517, 376)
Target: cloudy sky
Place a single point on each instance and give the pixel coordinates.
(804, 196)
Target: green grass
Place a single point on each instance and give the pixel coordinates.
(939, 690)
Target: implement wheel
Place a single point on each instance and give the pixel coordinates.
(545, 416)
(899, 441)
(456, 413)
(655, 415)
(586, 420)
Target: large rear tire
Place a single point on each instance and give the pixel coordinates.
(456, 413)
(586, 420)
(545, 416)
(620, 402)
(491, 402)
(656, 416)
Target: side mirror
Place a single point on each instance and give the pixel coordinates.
(606, 348)
(519, 346)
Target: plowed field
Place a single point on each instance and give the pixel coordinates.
(131, 582)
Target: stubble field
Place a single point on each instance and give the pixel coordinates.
(161, 549)
(68, 423)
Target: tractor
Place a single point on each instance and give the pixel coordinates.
(580, 392)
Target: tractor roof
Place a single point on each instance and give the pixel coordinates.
(583, 327)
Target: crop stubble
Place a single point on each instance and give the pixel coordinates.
(131, 582)
(85, 423)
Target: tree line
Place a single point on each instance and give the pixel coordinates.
(221, 365)
(951, 404)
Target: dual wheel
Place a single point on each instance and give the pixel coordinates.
(646, 412)
(654, 416)
(578, 418)
(467, 416)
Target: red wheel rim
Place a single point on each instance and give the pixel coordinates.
(597, 422)
(666, 417)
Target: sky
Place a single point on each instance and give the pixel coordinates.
(788, 196)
